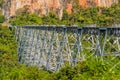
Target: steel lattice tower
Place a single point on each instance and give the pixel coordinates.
(53, 47)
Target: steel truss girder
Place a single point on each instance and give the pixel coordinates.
(55, 46)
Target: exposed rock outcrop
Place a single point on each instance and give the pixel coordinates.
(10, 7)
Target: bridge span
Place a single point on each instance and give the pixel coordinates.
(55, 46)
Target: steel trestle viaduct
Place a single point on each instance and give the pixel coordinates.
(55, 46)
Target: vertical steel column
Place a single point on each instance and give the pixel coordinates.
(19, 44)
(31, 46)
(22, 45)
(28, 46)
(37, 51)
(100, 44)
(35, 47)
(60, 61)
(58, 47)
(68, 49)
(118, 39)
(49, 55)
(73, 34)
(40, 44)
(77, 46)
(42, 59)
(19, 31)
(24, 51)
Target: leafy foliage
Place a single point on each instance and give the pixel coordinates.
(2, 19)
(27, 19)
(80, 16)
(1, 2)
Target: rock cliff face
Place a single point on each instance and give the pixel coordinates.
(41, 6)
(10, 7)
(102, 3)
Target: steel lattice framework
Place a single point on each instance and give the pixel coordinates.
(53, 47)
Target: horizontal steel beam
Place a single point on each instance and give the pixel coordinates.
(115, 31)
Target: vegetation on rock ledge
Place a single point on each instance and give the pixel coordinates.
(80, 16)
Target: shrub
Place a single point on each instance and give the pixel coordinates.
(2, 18)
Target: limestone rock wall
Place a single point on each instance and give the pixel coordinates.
(102, 3)
(45, 6)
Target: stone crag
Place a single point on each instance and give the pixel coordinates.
(101, 3)
(10, 7)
